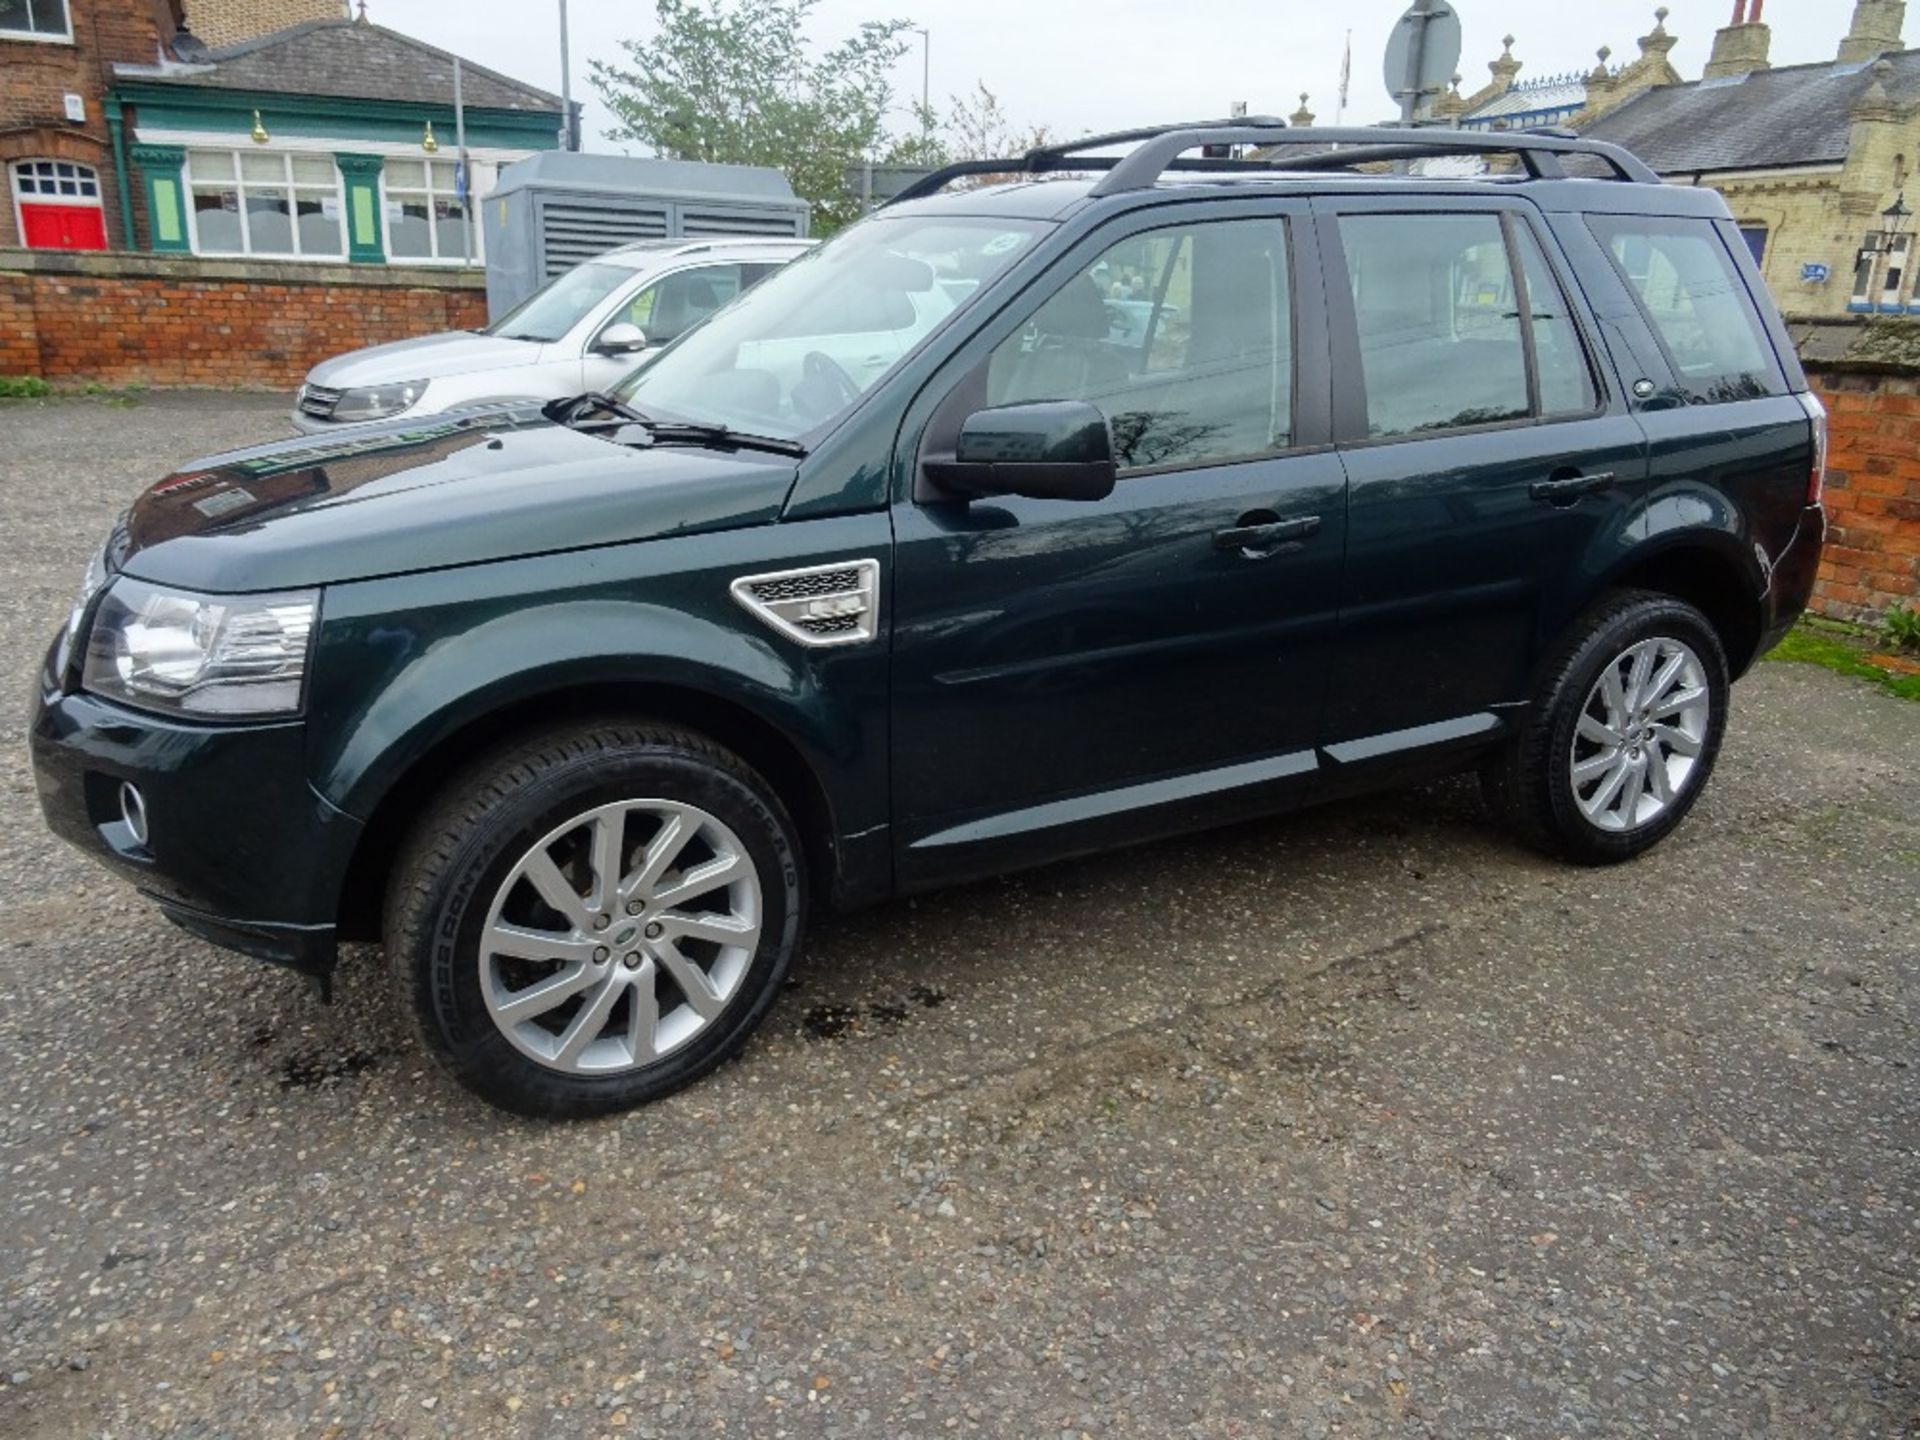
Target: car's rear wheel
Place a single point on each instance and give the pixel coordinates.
(1622, 735)
(595, 917)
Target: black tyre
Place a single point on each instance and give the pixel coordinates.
(1622, 735)
(593, 917)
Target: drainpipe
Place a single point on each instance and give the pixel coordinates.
(116, 129)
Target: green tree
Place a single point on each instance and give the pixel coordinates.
(734, 81)
(975, 127)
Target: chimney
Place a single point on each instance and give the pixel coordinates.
(1742, 47)
(1877, 27)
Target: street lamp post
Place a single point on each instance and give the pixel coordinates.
(566, 85)
(926, 78)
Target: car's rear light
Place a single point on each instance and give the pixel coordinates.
(1817, 413)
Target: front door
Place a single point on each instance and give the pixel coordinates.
(1069, 674)
(1493, 474)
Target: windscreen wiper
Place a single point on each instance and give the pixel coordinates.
(718, 437)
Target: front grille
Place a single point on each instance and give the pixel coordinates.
(318, 401)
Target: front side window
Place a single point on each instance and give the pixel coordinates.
(1697, 304)
(426, 218)
(1182, 337)
(670, 307)
(265, 203)
(37, 19)
(797, 351)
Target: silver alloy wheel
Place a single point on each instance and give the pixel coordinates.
(620, 936)
(1640, 736)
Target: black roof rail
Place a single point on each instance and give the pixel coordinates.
(1162, 148)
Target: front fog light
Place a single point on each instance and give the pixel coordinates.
(221, 656)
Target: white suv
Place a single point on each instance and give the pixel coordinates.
(582, 331)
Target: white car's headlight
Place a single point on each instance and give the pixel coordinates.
(378, 402)
(220, 656)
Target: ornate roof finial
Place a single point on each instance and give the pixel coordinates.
(1302, 119)
(363, 12)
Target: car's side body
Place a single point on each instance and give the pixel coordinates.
(466, 369)
(1045, 677)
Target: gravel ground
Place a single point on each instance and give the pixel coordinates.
(1362, 1122)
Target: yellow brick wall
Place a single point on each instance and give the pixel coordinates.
(227, 22)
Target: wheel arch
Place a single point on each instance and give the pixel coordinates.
(751, 736)
(1709, 571)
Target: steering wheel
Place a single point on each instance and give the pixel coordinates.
(817, 368)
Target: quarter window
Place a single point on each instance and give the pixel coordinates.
(265, 203)
(426, 218)
(1695, 298)
(1183, 337)
(40, 19)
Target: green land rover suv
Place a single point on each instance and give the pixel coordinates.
(1138, 492)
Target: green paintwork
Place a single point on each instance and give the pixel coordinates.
(161, 169)
(117, 138)
(1050, 677)
(228, 115)
(362, 175)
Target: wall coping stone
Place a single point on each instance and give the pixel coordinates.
(122, 264)
(1861, 344)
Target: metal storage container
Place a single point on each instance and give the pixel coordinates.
(555, 209)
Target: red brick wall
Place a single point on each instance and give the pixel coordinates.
(35, 76)
(1872, 560)
(124, 319)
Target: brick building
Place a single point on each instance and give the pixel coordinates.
(56, 141)
(302, 136)
(1814, 159)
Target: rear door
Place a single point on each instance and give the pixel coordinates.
(1496, 468)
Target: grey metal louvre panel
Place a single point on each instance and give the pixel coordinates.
(576, 231)
(738, 222)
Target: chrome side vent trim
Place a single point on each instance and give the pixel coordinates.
(837, 604)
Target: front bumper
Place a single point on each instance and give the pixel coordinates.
(239, 848)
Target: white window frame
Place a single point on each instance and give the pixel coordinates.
(391, 196)
(295, 191)
(84, 175)
(45, 37)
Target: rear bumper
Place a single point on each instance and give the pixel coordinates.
(239, 848)
(1791, 580)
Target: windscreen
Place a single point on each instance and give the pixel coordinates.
(559, 305)
(798, 350)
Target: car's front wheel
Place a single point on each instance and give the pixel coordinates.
(1622, 735)
(595, 917)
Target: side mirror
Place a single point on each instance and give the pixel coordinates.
(1054, 450)
(621, 339)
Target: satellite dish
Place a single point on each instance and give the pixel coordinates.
(1423, 54)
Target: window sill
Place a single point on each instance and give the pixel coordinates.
(26, 37)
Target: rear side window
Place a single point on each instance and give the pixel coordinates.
(1697, 303)
(1441, 315)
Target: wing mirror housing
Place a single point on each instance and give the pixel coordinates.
(621, 339)
(1054, 450)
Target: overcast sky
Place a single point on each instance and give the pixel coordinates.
(1088, 65)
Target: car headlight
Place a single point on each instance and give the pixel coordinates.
(90, 584)
(221, 656)
(378, 402)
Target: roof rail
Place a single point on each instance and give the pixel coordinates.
(1162, 148)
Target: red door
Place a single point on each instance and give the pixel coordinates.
(63, 227)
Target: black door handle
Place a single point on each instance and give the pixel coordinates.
(1563, 489)
(1264, 538)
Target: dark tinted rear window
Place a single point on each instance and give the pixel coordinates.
(1698, 304)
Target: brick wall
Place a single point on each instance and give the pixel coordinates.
(228, 22)
(119, 319)
(1872, 559)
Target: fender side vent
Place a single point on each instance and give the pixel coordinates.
(822, 605)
